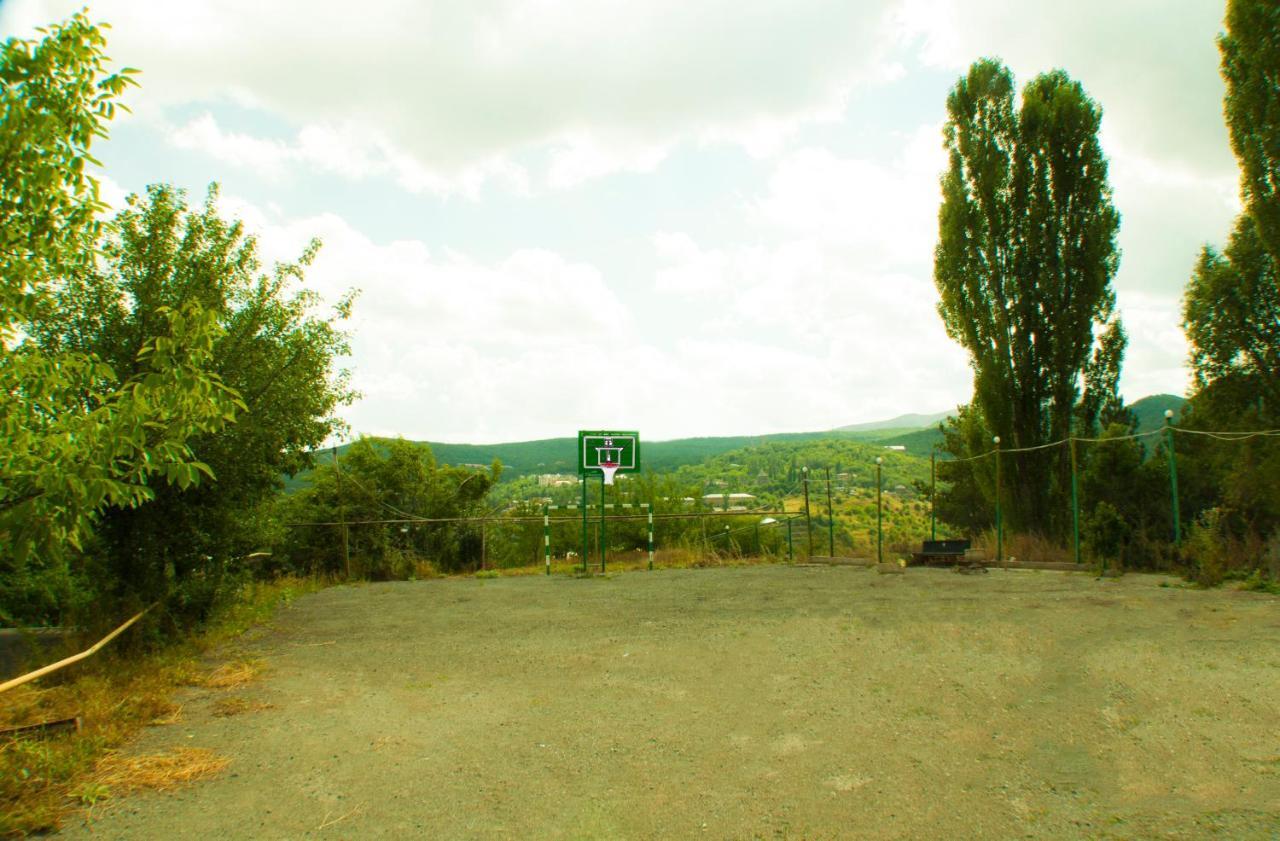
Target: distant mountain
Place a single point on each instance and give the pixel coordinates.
(1149, 411)
(918, 434)
(900, 423)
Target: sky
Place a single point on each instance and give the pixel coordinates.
(687, 219)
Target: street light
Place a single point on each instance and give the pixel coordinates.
(879, 516)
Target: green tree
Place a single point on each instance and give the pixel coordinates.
(1026, 254)
(272, 347)
(1231, 308)
(78, 438)
(379, 480)
(1250, 50)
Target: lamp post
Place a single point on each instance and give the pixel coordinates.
(1173, 476)
(879, 516)
(995, 439)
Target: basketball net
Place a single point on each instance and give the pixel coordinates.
(608, 469)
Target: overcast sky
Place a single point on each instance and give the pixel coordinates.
(687, 218)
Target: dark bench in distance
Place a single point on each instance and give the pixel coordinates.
(941, 552)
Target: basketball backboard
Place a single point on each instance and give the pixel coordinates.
(608, 453)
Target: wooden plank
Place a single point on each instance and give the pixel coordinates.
(44, 728)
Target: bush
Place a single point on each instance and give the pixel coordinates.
(1205, 551)
(1107, 534)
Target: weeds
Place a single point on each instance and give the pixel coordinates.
(42, 778)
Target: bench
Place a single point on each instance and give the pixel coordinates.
(941, 552)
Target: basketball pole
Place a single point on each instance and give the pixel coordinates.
(583, 480)
(603, 539)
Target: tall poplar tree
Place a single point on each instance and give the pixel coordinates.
(1026, 254)
(1232, 306)
(1231, 309)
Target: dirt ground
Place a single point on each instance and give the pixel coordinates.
(763, 702)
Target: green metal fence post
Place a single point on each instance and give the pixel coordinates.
(999, 513)
(546, 536)
(933, 494)
(879, 516)
(831, 520)
(583, 480)
(808, 523)
(1173, 477)
(1075, 505)
(791, 549)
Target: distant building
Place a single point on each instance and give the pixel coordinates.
(896, 448)
(739, 500)
(555, 480)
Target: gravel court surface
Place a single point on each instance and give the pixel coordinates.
(755, 702)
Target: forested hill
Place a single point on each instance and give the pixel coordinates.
(558, 455)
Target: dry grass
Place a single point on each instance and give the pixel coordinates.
(226, 707)
(120, 774)
(1025, 547)
(44, 778)
(232, 675)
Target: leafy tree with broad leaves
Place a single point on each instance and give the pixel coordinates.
(274, 347)
(378, 480)
(78, 438)
(1026, 255)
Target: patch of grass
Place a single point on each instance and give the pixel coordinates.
(226, 707)
(120, 774)
(1257, 582)
(232, 675)
(42, 778)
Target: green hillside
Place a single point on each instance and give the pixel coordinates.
(1149, 411)
(558, 455)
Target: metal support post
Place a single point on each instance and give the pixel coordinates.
(342, 515)
(808, 522)
(831, 520)
(1173, 477)
(583, 480)
(546, 537)
(879, 515)
(604, 540)
(999, 512)
(1075, 505)
(650, 507)
(933, 495)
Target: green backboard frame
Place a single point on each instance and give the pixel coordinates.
(622, 446)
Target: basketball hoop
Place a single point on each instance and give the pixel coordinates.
(606, 453)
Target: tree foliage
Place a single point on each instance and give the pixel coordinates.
(78, 437)
(1231, 308)
(1026, 254)
(380, 480)
(272, 347)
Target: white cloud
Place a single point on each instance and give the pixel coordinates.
(342, 150)
(1156, 360)
(886, 213)
(454, 85)
(1151, 64)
